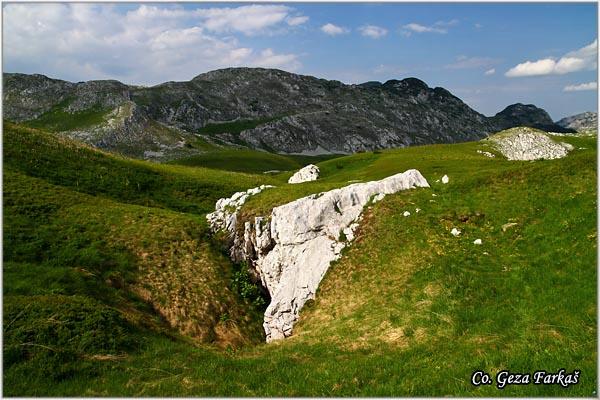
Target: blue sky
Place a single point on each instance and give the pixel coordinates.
(490, 55)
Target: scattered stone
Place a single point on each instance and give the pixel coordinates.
(445, 179)
(378, 197)
(486, 153)
(292, 249)
(477, 241)
(455, 232)
(406, 213)
(306, 174)
(509, 225)
(417, 210)
(433, 195)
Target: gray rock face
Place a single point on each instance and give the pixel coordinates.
(527, 144)
(526, 115)
(292, 249)
(285, 112)
(306, 174)
(587, 121)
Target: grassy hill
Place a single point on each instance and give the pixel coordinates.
(113, 287)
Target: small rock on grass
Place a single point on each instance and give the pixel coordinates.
(455, 232)
(505, 227)
(477, 241)
(445, 179)
(406, 213)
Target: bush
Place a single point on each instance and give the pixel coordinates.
(243, 284)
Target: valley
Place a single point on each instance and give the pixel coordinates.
(114, 285)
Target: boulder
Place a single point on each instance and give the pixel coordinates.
(306, 174)
(527, 144)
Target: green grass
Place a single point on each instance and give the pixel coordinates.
(58, 120)
(246, 160)
(63, 162)
(409, 310)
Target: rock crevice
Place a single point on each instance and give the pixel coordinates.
(292, 249)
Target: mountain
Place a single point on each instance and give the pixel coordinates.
(587, 121)
(526, 115)
(259, 108)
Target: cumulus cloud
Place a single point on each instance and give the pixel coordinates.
(490, 71)
(149, 44)
(333, 30)
(372, 31)
(578, 60)
(581, 87)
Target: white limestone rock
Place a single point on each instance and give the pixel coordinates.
(445, 179)
(292, 249)
(225, 215)
(527, 144)
(455, 232)
(486, 153)
(306, 174)
(477, 241)
(378, 197)
(406, 213)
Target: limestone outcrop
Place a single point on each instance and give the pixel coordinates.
(528, 144)
(306, 174)
(226, 210)
(292, 249)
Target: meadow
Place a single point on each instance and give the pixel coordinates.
(113, 285)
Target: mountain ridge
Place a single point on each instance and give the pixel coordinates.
(282, 112)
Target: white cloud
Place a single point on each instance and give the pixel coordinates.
(414, 27)
(491, 71)
(293, 21)
(438, 27)
(478, 26)
(578, 60)
(373, 31)
(333, 30)
(149, 44)
(269, 59)
(249, 20)
(581, 87)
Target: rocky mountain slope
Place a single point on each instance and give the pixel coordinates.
(587, 121)
(259, 108)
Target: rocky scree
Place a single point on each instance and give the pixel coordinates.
(291, 249)
(527, 144)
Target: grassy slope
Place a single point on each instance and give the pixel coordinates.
(246, 160)
(57, 119)
(411, 310)
(95, 244)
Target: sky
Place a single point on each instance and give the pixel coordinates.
(488, 54)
